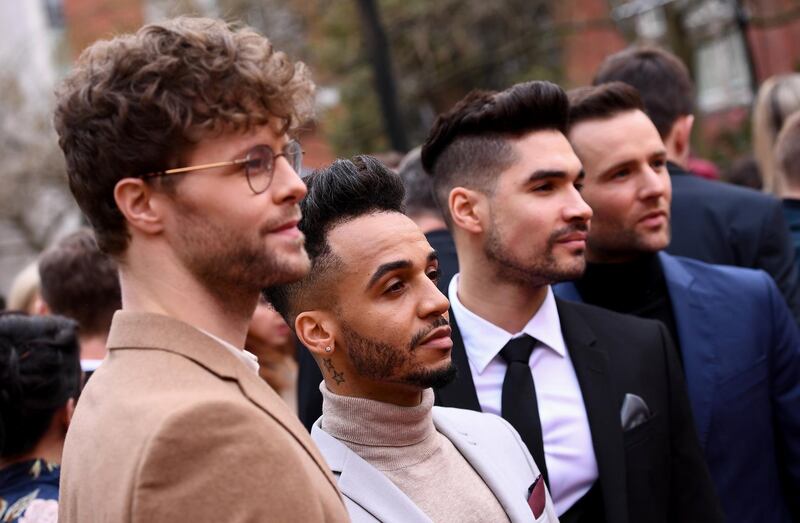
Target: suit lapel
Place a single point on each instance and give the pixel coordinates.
(365, 485)
(514, 504)
(696, 338)
(460, 393)
(590, 360)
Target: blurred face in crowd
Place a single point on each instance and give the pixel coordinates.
(267, 329)
(536, 220)
(389, 324)
(223, 232)
(627, 185)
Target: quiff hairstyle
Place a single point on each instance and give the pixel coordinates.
(81, 282)
(337, 194)
(470, 145)
(787, 151)
(133, 104)
(661, 78)
(602, 102)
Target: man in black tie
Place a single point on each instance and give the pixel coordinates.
(597, 396)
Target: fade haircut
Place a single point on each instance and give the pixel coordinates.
(602, 102)
(336, 195)
(134, 104)
(81, 282)
(787, 151)
(661, 78)
(469, 146)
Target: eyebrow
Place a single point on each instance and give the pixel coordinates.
(388, 267)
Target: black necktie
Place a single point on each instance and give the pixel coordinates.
(519, 405)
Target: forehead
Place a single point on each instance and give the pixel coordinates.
(542, 151)
(365, 243)
(625, 137)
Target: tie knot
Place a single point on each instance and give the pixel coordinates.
(518, 350)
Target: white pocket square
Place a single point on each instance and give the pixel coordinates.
(634, 411)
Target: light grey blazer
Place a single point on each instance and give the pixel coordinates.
(488, 442)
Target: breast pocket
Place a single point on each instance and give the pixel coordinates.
(640, 433)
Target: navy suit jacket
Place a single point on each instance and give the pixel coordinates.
(741, 356)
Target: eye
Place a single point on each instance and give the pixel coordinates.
(434, 275)
(621, 174)
(659, 163)
(545, 187)
(579, 186)
(396, 288)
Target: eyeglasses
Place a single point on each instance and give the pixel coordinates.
(259, 165)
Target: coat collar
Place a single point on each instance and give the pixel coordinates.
(147, 331)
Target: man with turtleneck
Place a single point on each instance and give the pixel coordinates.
(738, 342)
(372, 317)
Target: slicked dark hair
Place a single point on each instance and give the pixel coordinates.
(661, 78)
(602, 102)
(468, 146)
(337, 194)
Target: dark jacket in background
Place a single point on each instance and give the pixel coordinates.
(720, 223)
(791, 210)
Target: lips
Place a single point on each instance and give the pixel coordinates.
(577, 236)
(654, 218)
(439, 338)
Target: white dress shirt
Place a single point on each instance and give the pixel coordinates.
(571, 463)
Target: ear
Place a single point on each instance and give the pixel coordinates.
(466, 209)
(680, 135)
(68, 411)
(315, 331)
(138, 202)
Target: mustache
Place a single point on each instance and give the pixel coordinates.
(441, 321)
(268, 227)
(565, 231)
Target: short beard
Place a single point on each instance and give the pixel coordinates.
(228, 262)
(542, 270)
(380, 361)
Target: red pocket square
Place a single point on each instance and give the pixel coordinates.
(536, 497)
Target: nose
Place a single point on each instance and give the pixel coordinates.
(287, 186)
(654, 183)
(576, 208)
(433, 302)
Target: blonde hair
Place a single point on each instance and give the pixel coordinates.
(778, 97)
(787, 152)
(25, 289)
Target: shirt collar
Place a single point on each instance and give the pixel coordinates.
(484, 340)
(248, 358)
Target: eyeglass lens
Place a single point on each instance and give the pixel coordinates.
(260, 164)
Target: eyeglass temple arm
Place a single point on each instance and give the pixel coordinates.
(196, 167)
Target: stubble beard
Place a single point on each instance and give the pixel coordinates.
(623, 242)
(380, 361)
(544, 269)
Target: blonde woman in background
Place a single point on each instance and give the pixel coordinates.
(778, 97)
(24, 295)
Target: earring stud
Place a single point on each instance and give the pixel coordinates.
(328, 349)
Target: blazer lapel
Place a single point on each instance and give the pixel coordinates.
(590, 360)
(696, 338)
(365, 485)
(459, 393)
(514, 503)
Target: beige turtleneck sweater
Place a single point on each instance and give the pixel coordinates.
(402, 442)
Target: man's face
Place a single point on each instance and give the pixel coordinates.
(227, 236)
(392, 320)
(627, 185)
(537, 220)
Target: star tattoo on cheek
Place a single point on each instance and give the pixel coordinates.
(328, 364)
(338, 377)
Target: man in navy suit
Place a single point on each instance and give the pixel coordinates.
(710, 221)
(738, 342)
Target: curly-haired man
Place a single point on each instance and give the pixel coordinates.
(179, 152)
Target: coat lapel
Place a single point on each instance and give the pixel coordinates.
(365, 485)
(459, 393)
(514, 503)
(158, 332)
(696, 338)
(590, 360)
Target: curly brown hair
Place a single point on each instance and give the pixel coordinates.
(134, 103)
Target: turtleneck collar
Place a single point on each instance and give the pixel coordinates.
(624, 287)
